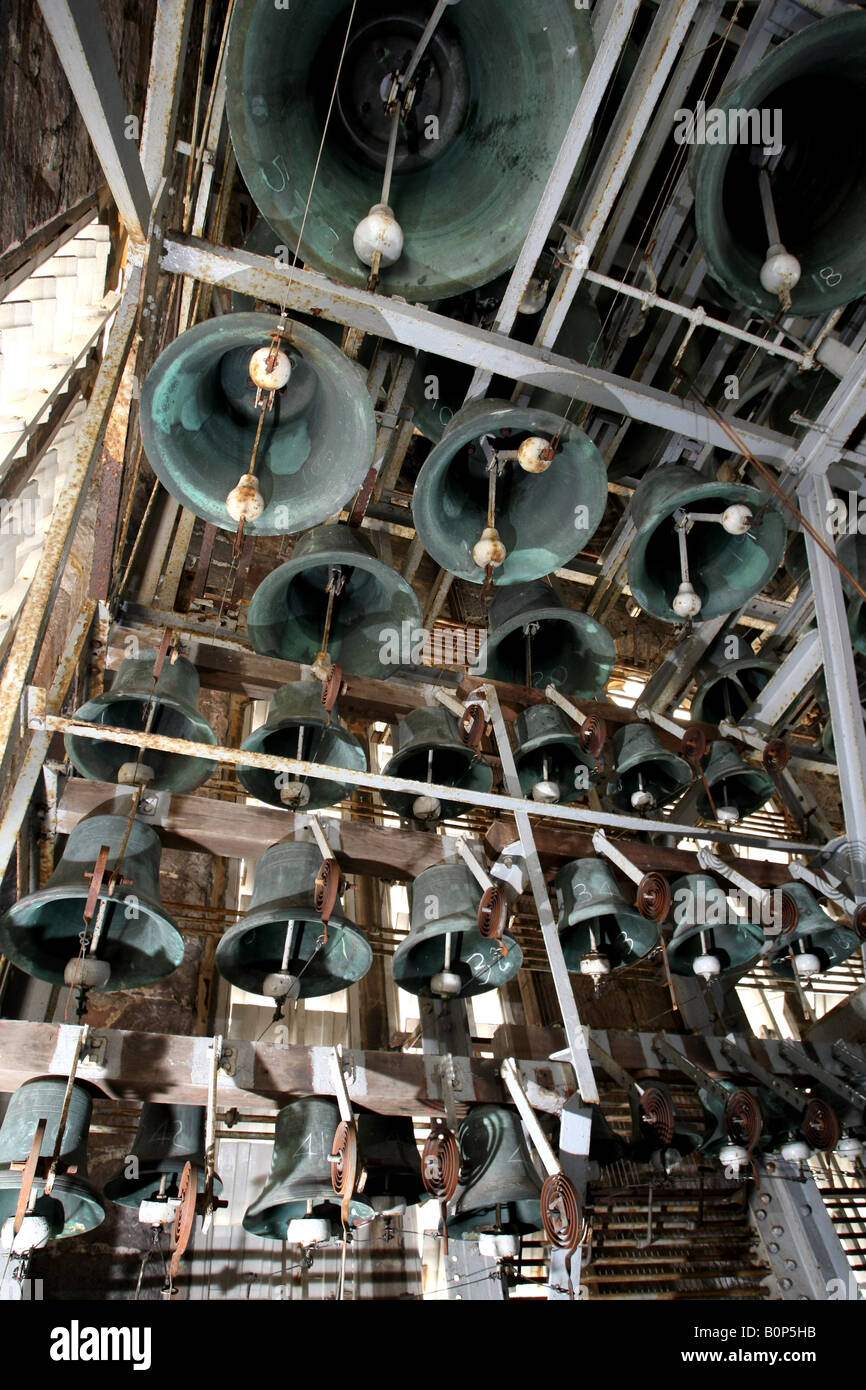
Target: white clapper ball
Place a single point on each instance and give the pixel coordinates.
(641, 799)
(546, 791)
(595, 965)
(727, 815)
(34, 1232)
(796, 1151)
(807, 964)
(281, 985)
(86, 972)
(426, 808)
(733, 1156)
(535, 454)
(686, 603)
(706, 966)
(245, 502)
(135, 775)
(378, 231)
(447, 984)
(267, 378)
(848, 1147)
(489, 550)
(493, 1245)
(534, 297)
(295, 794)
(781, 271)
(737, 519)
(307, 1230)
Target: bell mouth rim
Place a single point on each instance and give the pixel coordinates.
(71, 1184)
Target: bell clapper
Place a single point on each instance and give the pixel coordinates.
(546, 789)
(489, 551)
(595, 963)
(707, 965)
(641, 799)
(427, 808)
(686, 603)
(529, 632)
(336, 582)
(781, 271)
(296, 793)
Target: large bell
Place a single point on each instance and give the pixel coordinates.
(551, 765)
(736, 789)
(428, 749)
(73, 1206)
(199, 421)
(545, 511)
(167, 1138)
(298, 726)
(127, 705)
(445, 955)
(535, 640)
(709, 938)
(299, 1182)
(500, 1188)
(813, 87)
(646, 775)
(278, 946)
(729, 681)
(817, 942)
(138, 943)
(373, 606)
(472, 159)
(438, 386)
(727, 565)
(598, 929)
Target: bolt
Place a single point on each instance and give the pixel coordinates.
(778, 1230)
(790, 1264)
(786, 1284)
(773, 1248)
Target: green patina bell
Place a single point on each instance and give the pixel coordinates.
(427, 748)
(445, 955)
(851, 550)
(725, 567)
(167, 1138)
(535, 640)
(479, 109)
(299, 1181)
(138, 943)
(736, 788)
(646, 775)
(73, 1206)
(278, 946)
(298, 726)
(199, 420)
(727, 687)
(375, 615)
(500, 1187)
(598, 930)
(709, 938)
(551, 765)
(817, 943)
(390, 1158)
(439, 385)
(544, 512)
(126, 705)
(813, 87)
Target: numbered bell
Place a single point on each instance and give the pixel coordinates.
(72, 1206)
(299, 1182)
(427, 748)
(709, 938)
(729, 680)
(281, 947)
(439, 385)
(729, 557)
(167, 1138)
(200, 420)
(542, 518)
(334, 588)
(551, 765)
(784, 119)
(453, 141)
(445, 955)
(646, 775)
(736, 790)
(138, 942)
(535, 641)
(128, 704)
(816, 944)
(599, 931)
(299, 727)
(500, 1188)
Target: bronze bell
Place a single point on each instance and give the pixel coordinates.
(551, 764)
(298, 726)
(167, 1138)
(281, 947)
(499, 1188)
(427, 749)
(72, 1206)
(646, 775)
(709, 938)
(535, 640)
(445, 955)
(598, 929)
(736, 790)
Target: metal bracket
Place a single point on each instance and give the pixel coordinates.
(787, 1093)
(666, 1049)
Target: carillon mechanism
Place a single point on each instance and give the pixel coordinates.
(815, 943)
(710, 938)
(729, 681)
(165, 704)
(428, 748)
(534, 640)
(499, 1191)
(302, 725)
(702, 548)
(168, 1138)
(281, 947)
(239, 431)
(446, 955)
(508, 492)
(333, 601)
